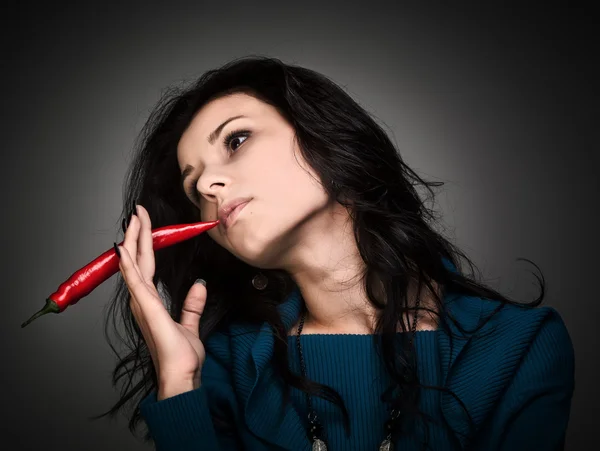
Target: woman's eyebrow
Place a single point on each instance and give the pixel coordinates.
(214, 135)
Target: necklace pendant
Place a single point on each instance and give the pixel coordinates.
(386, 445)
(319, 445)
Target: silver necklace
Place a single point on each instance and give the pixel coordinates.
(315, 427)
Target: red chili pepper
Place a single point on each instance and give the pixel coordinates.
(83, 281)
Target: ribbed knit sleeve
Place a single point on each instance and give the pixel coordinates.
(181, 422)
(534, 411)
(185, 421)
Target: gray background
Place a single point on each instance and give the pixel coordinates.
(498, 104)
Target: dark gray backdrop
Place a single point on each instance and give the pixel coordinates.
(498, 104)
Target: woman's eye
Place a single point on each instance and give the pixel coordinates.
(234, 140)
(235, 136)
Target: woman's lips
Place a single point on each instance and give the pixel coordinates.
(235, 212)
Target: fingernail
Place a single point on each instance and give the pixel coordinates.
(117, 251)
(202, 281)
(131, 213)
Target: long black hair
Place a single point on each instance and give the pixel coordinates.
(359, 167)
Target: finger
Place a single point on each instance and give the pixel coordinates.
(130, 241)
(129, 270)
(149, 312)
(125, 222)
(142, 296)
(146, 261)
(193, 307)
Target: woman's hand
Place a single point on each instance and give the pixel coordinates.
(176, 349)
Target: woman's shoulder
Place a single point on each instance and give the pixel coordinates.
(516, 346)
(481, 315)
(496, 339)
(510, 333)
(506, 317)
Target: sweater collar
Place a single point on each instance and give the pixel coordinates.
(271, 420)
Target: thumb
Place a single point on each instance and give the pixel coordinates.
(193, 306)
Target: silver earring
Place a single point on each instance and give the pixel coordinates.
(260, 281)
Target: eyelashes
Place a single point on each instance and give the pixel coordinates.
(233, 135)
(190, 191)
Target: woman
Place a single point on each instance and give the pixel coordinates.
(333, 315)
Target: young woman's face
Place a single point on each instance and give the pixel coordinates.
(260, 162)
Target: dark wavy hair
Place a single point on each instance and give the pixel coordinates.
(359, 166)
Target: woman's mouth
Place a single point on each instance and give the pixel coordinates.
(229, 220)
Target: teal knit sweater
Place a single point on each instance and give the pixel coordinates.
(515, 377)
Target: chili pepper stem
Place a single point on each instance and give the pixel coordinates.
(50, 306)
